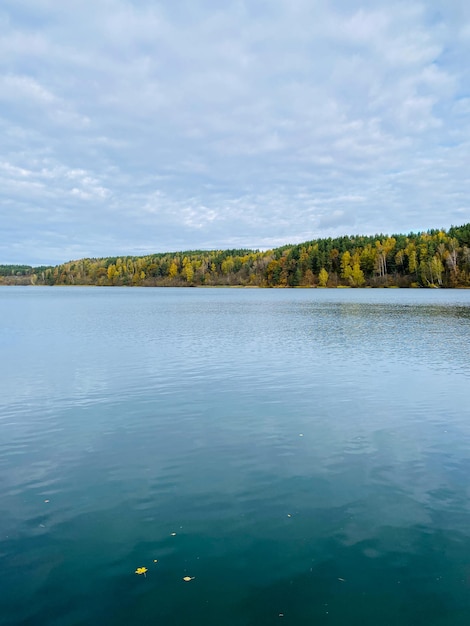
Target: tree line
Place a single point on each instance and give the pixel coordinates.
(436, 258)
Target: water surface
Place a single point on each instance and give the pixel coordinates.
(303, 454)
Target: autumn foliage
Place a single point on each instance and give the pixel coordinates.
(436, 258)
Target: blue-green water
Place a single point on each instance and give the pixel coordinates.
(303, 455)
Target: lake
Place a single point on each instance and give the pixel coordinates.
(302, 456)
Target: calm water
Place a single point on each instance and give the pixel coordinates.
(309, 448)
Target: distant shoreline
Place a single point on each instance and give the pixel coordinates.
(276, 287)
(433, 259)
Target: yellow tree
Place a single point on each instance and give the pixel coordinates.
(384, 248)
(323, 277)
(111, 272)
(346, 269)
(410, 252)
(436, 270)
(227, 265)
(357, 276)
(188, 272)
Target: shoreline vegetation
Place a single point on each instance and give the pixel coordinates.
(433, 259)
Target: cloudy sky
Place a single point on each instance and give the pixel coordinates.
(129, 127)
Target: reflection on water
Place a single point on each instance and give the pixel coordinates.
(303, 454)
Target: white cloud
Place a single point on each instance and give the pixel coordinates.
(232, 123)
(17, 88)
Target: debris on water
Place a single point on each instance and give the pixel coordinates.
(188, 578)
(155, 560)
(173, 534)
(301, 435)
(46, 500)
(342, 580)
(141, 570)
(289, 515)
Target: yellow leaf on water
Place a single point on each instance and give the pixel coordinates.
(141, 570)
(188, 578)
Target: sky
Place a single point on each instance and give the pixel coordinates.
(132, 127)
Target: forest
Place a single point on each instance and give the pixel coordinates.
(436, 258)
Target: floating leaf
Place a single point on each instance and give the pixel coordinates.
(188, 578)
(141, 570)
